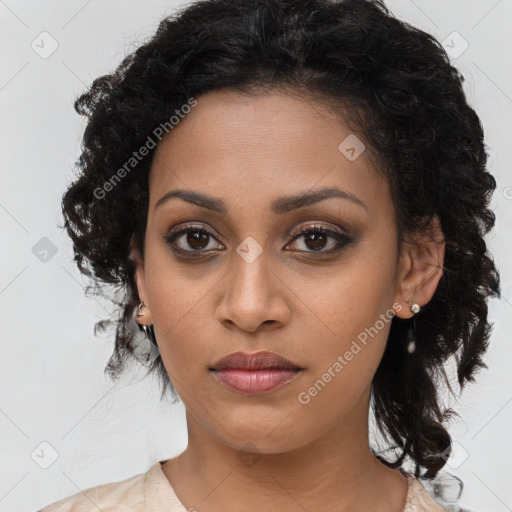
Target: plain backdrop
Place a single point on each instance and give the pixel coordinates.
(64, 426)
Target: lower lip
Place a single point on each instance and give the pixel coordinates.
(255, 382)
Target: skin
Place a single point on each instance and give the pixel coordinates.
(271, 452)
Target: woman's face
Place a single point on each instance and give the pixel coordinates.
(252, 283)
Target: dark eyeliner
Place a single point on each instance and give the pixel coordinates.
(180, 231)
(340, 236)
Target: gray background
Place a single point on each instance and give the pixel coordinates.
(56, 407)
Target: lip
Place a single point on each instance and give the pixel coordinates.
(254, 382)
(254, 374)
(256, 361)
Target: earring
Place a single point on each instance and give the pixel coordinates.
(150, 333)
(411, 336)
(415, 308)
(148, 329)
(411, 330)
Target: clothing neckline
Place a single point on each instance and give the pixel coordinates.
(160, 495)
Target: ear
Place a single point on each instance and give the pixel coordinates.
(140, 282)
(420, 267)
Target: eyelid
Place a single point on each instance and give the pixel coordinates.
(183, 228)
(318, 226)
(297, 231)
(337, 233)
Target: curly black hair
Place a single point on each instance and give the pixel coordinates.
(395, 84)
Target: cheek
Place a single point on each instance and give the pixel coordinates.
(176, 293)
(344, 361)
(178, 310)
(352, 317)
(351, 297)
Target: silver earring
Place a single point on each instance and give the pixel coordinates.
(150, 333)
(415, 308)
(411, 331)
(411, 336)
(148, 329)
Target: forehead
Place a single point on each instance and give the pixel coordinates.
(238, 145)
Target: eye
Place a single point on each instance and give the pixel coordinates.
(316, 238)
(188, 239)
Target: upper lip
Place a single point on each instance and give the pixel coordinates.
(254, 361)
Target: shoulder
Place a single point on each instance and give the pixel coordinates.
(428, 497)
(126, 495)
(145, 492)
(418, 499)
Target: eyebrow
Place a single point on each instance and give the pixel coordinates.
(279, 206)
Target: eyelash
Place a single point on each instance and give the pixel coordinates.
(342, 239)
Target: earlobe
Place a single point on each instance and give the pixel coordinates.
(420, 268)
(143, 315)
(140, 283)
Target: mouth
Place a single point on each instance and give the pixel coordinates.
(256, 373)
(256, 361)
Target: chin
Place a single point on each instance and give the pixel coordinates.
(265, 439)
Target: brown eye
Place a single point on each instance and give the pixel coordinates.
(316, 238)
(190, 239)
(197, 239)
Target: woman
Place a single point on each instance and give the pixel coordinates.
(293, 196)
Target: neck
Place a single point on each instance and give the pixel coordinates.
(335, 470)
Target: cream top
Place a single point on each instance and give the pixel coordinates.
(152, 492)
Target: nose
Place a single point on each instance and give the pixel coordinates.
(255, 297)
